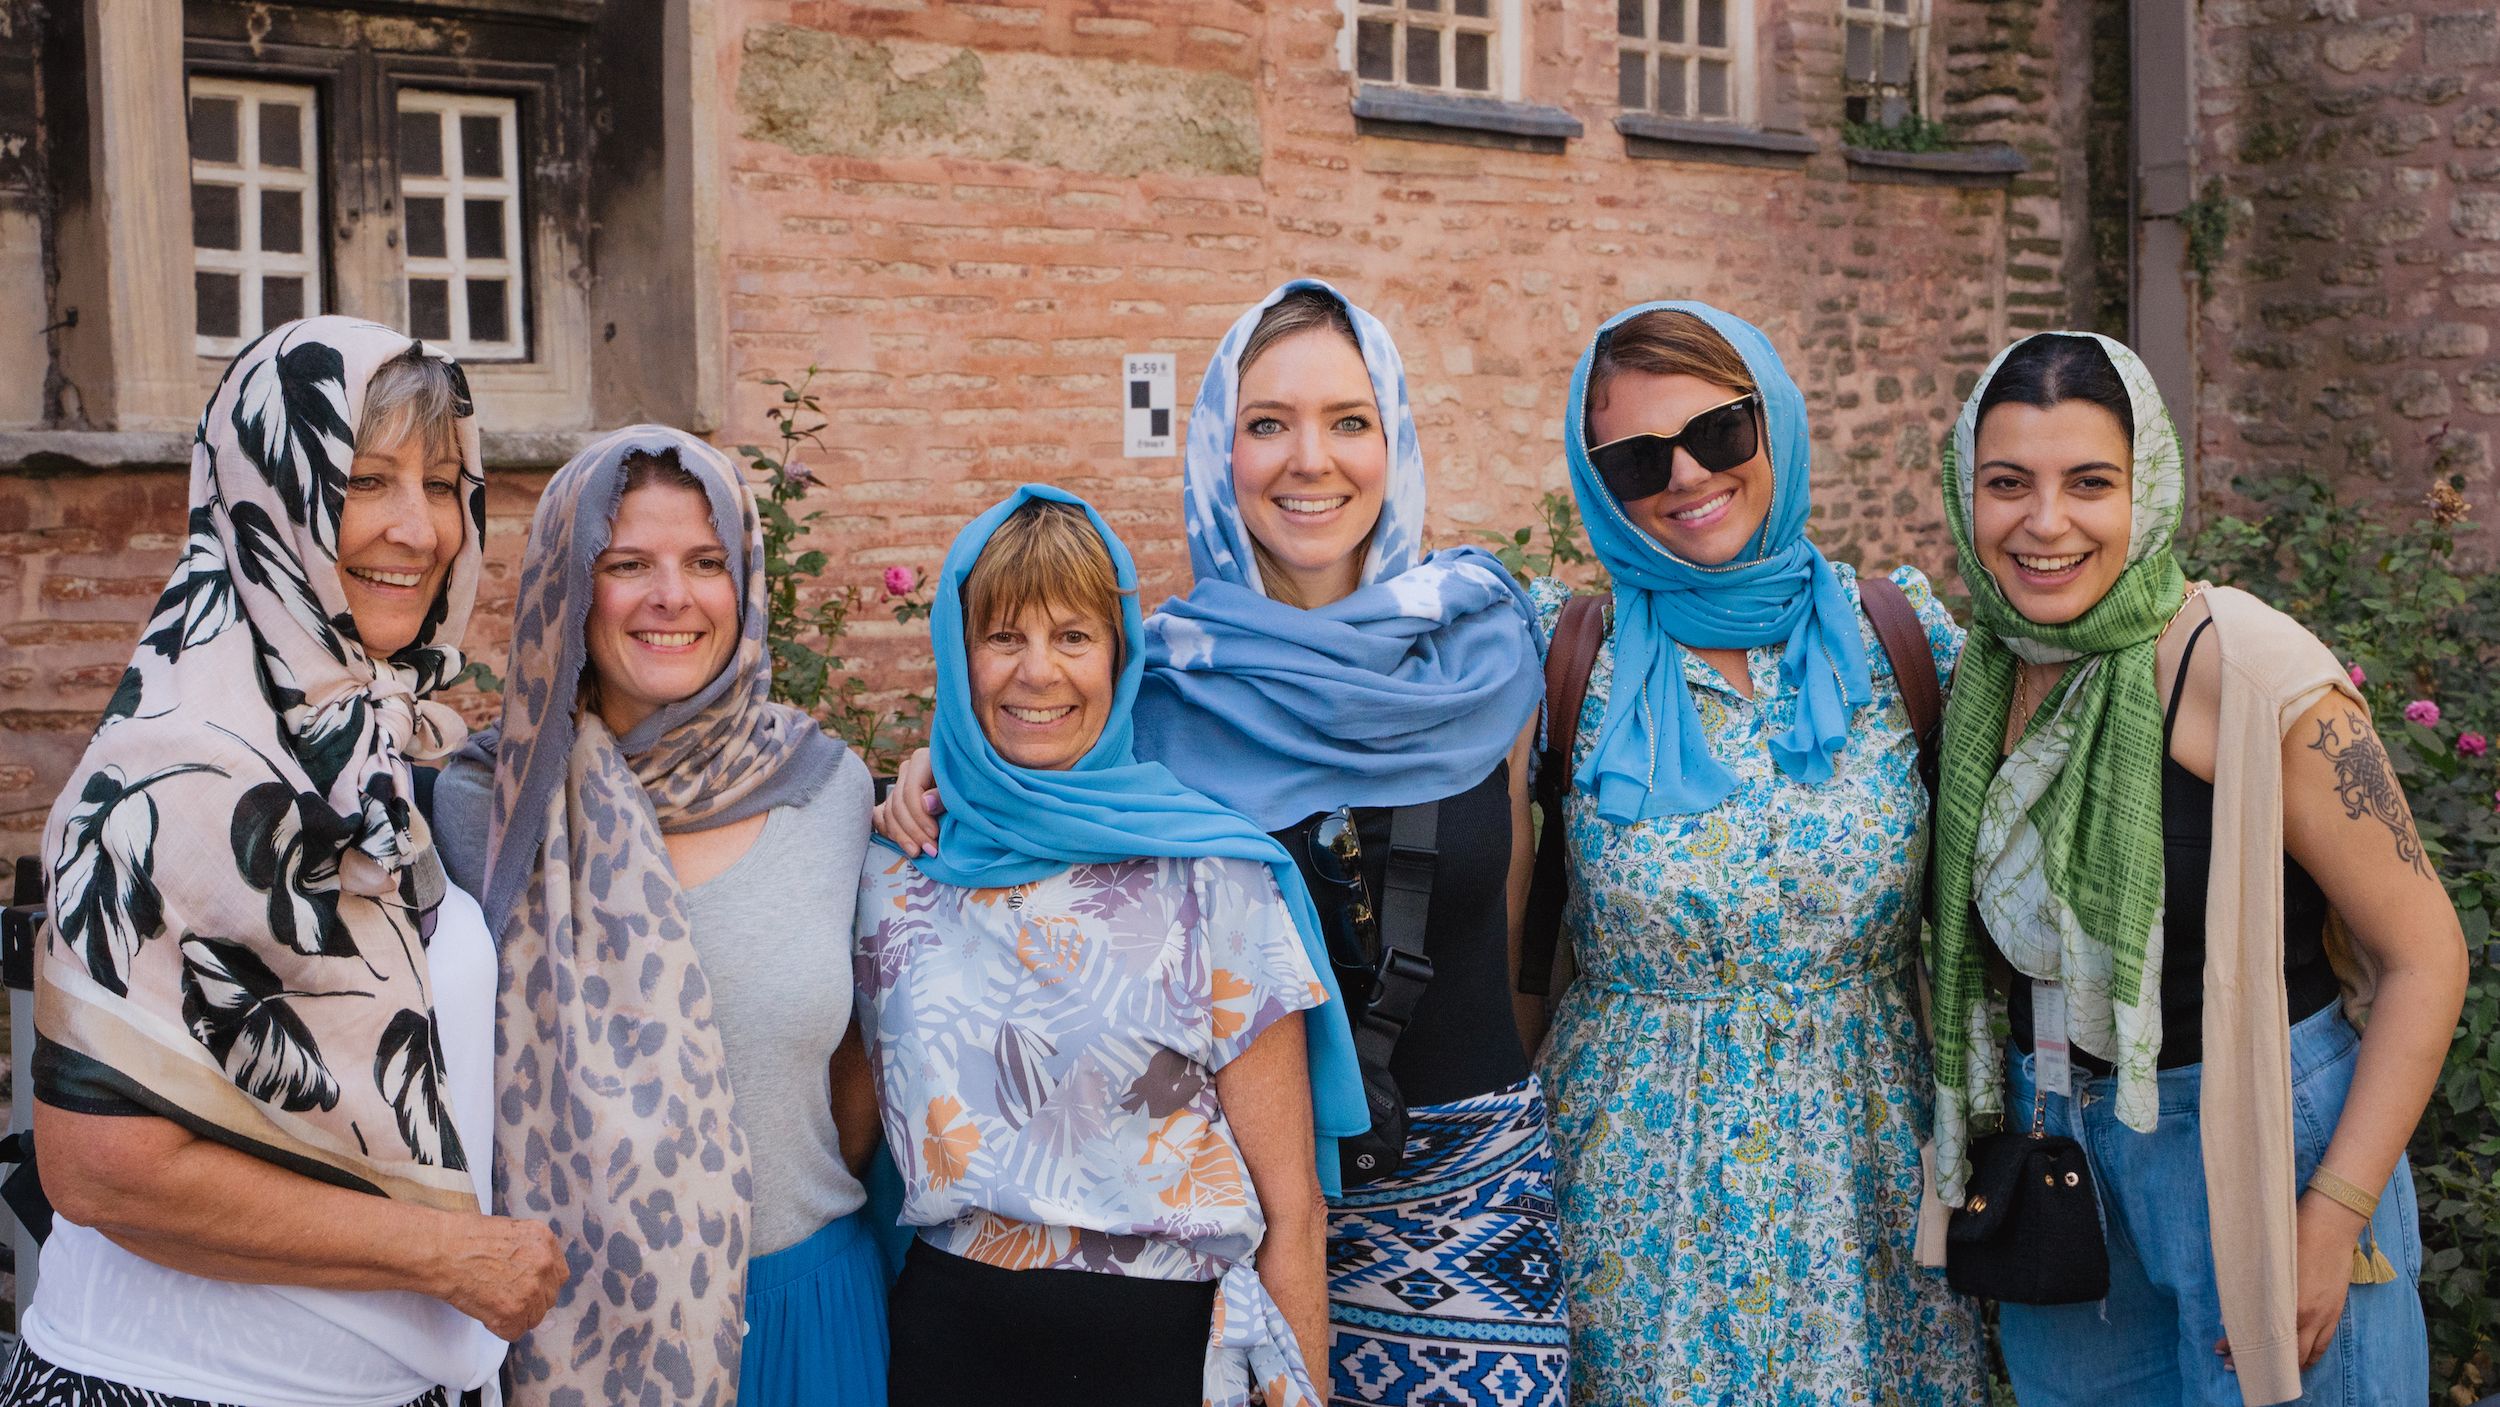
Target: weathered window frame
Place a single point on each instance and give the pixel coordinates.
(459, 266)
(250, 262)
(1504, 25)
(540, 378)
(1868, 96)
(1689, 55)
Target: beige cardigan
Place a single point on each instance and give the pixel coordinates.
(2273, 671)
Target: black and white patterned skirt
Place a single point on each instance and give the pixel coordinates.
(32, 1382)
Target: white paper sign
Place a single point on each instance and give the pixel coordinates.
(1147, 403)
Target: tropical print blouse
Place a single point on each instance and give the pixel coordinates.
(1045, 1059)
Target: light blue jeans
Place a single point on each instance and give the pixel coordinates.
(2152, 1341)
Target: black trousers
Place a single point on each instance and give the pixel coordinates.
(975, 1335)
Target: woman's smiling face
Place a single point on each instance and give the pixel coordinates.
(664, 605)
(402, 523)
(1702, 517)
(2052, 505)
(1310, 464)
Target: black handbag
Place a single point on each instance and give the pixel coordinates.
(2029, 1229)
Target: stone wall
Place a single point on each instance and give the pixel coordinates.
(2347, 326)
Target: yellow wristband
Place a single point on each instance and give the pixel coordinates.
(2335, 1189)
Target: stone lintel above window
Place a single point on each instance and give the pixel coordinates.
(1656, 138)
(1985, 164)
(1469, 121)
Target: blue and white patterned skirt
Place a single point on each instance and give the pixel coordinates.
(1445, 1281)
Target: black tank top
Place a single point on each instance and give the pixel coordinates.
(1464, 1040)
(2187, 836)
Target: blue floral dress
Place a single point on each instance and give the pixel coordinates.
(1739, 1088)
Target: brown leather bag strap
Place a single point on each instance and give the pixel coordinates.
(1568, 662)
(1904, 638)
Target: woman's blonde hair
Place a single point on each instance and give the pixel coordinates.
(1667, 342)
(411, 397)
(1046, 554)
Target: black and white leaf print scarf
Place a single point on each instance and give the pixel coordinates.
(241, 889)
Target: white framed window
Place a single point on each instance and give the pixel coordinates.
(1467, 47)
(1686, 59)
(460, 222)
(1883, 45)
(255, 209)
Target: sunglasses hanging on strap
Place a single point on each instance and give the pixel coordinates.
(1394, 970)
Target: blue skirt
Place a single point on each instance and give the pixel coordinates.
(816, 1322)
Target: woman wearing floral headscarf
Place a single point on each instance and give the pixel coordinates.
(1324, 671)
(1738, 1083)
(656, 842)
(2203, 896)
(263, 1039)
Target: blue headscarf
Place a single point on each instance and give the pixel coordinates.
(1651, 757)
(1007, 825)
(1408, 690)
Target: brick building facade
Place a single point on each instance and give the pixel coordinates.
(966, 214)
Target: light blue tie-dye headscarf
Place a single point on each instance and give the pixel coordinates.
(1652, 758)
(1408, 690)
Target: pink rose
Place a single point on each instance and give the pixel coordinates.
(2359, 678)
(2422, 711)
(899, 581)
(2473, 744)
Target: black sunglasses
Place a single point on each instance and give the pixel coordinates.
(1719, 439)
(1336, 850)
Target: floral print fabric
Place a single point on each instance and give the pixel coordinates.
(1738, 1085)
(1045, 1059)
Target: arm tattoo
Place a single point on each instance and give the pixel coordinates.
(2366, 784)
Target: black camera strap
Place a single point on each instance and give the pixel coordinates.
(1405, 906)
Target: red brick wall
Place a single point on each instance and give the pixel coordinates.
(973, 311)
(921, 199)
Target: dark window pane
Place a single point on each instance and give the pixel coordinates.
(281, 299)
(1476, 9)
(282, 221)
(488, 321)
(429, 308)
(1671, 86)
(1671, 21)
(421, 144)
(1712, 90)
(483, 228)
(1857, 61)
(216, 216)
(1380, 2)
(1423, 4)
(1896, 7)
(282, 136)
(221, 303)
(1629, 19)
(1896, 55)
(1474, 61)
(1423, 57)
(481, 146)
(213, 130)
(1710, 25)
(1896, 110)
(1375, 51)
(1632, 86)
(425, 227)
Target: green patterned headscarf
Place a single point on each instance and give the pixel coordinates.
(2060, 848)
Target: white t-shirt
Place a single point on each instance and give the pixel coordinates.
(103, 1311)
